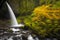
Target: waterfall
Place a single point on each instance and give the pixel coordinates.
(13, 18)
(15, 24)
(15, 30)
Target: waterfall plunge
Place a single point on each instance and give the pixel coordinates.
(15, 23)
(13, 18)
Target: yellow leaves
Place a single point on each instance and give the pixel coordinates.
(53, 10)
(43, 22)
(55, 16)
(45, 10)
(41, 9)
(47, 15)
(35, 19)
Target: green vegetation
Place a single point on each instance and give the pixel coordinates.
(42, 23)
(36, 16)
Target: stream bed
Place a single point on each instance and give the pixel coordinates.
(23, 35)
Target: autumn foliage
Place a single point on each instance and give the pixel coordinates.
(47, 11)
(44, 21)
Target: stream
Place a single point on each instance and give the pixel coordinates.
(19, 34)
(22, 35)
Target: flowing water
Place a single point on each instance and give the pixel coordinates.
(23, 35)
(36, 38)
(10, 38)
(30, 37)
(13, 18)
(15, 24)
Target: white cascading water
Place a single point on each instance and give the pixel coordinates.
(10, 38)
(15, 23)
(30, 37)
(36, 38)
(13, 18)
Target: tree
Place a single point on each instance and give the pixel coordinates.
(44, 21)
